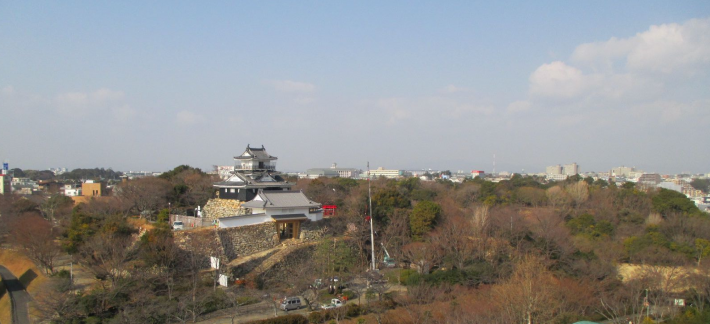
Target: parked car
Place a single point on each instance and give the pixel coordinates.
(291, 303)
(178, 225)
(334, 303)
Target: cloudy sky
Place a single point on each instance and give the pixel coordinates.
(407, 85)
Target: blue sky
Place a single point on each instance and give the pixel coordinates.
(148, 86)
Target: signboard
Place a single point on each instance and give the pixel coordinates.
(214, 262)
(679, 302)
(223, 280)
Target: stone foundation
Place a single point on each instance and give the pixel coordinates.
(313, 231)
(218, 208)
(246, 240)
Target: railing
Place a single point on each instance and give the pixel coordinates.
(190, 221)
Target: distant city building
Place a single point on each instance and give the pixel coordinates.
(382, 172)
(477, 173)
(570, 169)
(671, 186)
(561, 172)
(24, 186)
(5, 180)
(320, 173)
(649, 180)
(332, 172)
(553, 170)
(623, 171)
(71, 190)
(92, 188)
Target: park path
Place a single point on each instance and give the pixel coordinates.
(18, 297)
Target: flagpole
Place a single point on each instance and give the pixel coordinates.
(372, 230)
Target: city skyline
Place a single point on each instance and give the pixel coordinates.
(136, 86)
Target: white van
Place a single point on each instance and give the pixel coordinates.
(178, 225)
(291, 303)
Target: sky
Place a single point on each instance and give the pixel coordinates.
(150, 85)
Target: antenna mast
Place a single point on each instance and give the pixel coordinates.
(372, 230)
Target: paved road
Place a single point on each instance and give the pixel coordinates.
(18, 296)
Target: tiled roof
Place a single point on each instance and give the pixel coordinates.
(258, 153)
(281, 199)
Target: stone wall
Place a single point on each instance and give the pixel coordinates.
(203, 242)
(245, 240)
(218, 208)
(313, 231)
(284, 270)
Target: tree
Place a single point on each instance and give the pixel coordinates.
(557, 197)
(530, 196)
(701, 184)
(423, 217)
(145, 194)
(578, 191)
(57, 206)
(385, 201)
(455, 239)
(702, 248)
(425, 255)
(528, 295)
(106, 255)
(668, 201)
(36, 237)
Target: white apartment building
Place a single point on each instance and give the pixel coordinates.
(382, 172)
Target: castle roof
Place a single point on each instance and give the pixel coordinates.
(280, 199)
(252, 153)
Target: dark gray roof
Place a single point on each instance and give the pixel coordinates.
(255, 153)
(239, 216)
(280, 199)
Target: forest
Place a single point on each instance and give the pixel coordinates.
(522, 250)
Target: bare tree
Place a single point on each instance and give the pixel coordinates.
(528, 296)
(578, 191)
(144, 194)
(455, 239)
(106, 255)
(424, 255)
(557, 197)
(35, 236)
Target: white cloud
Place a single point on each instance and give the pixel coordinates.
(188, 118)
(292, 86)
(394, 108)
(304, 100)
(7, 91)
(665, 48)
(72, 103)
(558, 80)
(518, 106)
(123, 113)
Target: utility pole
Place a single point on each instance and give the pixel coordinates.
(372, 230)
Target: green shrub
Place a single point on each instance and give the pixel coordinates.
(353, 310)
(316, 317)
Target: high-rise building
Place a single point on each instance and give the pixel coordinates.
(570, 169)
